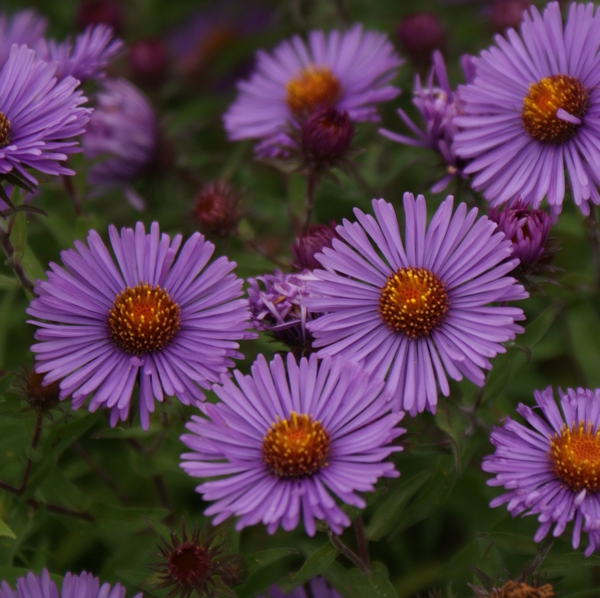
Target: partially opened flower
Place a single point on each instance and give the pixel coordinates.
(417, 311)
(39, 118)
(283, 442)
(84, 585)
(551, 468)
(348, 71)
(169, 324)
(534, 110)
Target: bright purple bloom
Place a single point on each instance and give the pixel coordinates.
(551, 467)
(534, 109)
(417, 311)
(39, 117)
(84, 585)
(87, 58)
(348, 71)
(22, 27)
(317, 587)
(328, 417)
(169, 324)
(123, 132)
(438, 104)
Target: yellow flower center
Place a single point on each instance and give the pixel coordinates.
(143, 319)
(313, 87)
(413, 301)
(295, 447)
(575, 456)
(4, 130)
(543, 100)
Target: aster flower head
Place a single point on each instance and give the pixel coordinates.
(348, 71)
(280, 308)
(123, 132)
(533, 110)
(39, 117)
(284, 441)
(84, 585)
(24, 27)
(438, 104)
(87, 57)
(551, 467)
(169, 322)
(417, 311)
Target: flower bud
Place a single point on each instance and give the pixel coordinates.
(149, 61)
(107, 12)
(507, 13)
(326, 135)
(304, 249)
(420, 34)
(216, 209)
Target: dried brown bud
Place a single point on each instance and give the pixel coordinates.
(40, 398)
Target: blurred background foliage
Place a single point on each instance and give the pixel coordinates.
(98, 498)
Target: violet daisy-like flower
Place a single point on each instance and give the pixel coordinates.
(438, 104)
(84, 585)
(24, 27)
(124, 132)
(551, 468)
(534, 109)
(167, 321)
(38, 116)
(282, 441)
(416, 312)
(348, 71)
(87, 57)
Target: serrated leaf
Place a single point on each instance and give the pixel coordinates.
(259, 560)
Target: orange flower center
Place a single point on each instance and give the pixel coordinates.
(575, 456)
(313, 87)
(543, 100)
(295, 447)
(413, 301)
(143, 319)
(4, 130)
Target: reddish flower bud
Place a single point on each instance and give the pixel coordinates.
(149, 61)
(306, 246)
(326, 135)
(420, 34)
(507, 13)
(216, 209)
(107, 12)
(40, 398)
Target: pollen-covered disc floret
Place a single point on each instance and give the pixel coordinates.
(151, 314)
(143, 319)
(290, 441)
(575, 455)
(541, 107)
(4, 130)
(313, 87)
(550, 468)
(413, 301)
(296, 446)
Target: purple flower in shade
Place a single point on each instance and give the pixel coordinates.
(123, 131)
(317, 587)
(527, 229)
(280, 308)
(87, 58)
(84, 585)
(533, 109)
(552, 468)
(170, 324)
(348, 71)
(413, 313)
(283, 440)
(438, 104)
(38, 116)
(23, 27)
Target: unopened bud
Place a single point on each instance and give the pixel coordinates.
(216, 209)
(93, 12)
(326, 135)
(420, 34)
(304, 249)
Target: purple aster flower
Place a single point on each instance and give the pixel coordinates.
(417, 311)
(170, 324)
(348, 71)
(317, 587)
(39, 117)
(551, 468)
(438, 104)
(87, 58)
(23, 27)
(283, 440)
(84, 585)
(534, 109)
(123, 131)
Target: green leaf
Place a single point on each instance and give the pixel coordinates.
(391, 508)
(536, 330)
(6, 531)
(450, 420)
(375, 585)
(8, 282)
(259, 560)
(584, 327)
(568, 564)
(513, 543)
(315, 564)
